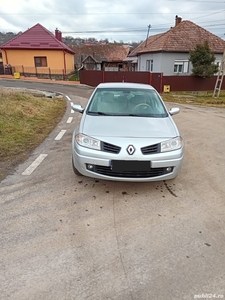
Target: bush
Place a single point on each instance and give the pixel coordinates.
(203, 61)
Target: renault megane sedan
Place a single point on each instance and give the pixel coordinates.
(126, 133)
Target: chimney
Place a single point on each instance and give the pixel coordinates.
(57, 33)
(177, 20)
(60, 36)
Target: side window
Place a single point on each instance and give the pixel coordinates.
(40, 61)
(149, 65)
(218, 63)
(181, 66)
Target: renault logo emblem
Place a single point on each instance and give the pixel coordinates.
(130, 149)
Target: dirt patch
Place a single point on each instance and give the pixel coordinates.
(7, 167)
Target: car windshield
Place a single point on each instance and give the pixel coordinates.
(126, 102)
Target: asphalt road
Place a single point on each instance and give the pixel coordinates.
(69, 237)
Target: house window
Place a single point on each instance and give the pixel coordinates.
(149, 65)
(218, 63)
(40, 61)
(181, 66)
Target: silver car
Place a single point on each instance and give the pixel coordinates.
(126, 133)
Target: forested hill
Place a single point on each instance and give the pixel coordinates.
(5, 37)
(69, 40)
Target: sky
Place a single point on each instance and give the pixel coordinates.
(115, 20)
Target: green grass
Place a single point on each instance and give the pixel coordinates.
(195, 98)
(74, 77)
(25, 121)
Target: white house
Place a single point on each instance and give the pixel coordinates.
(169, 52)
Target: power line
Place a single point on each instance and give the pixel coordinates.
(102, 31)
(202, 1)
(159, 27)
(93, 13)
(214, 13)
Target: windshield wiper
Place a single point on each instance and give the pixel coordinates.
(99, 113)
(135, 115)
(146, 115)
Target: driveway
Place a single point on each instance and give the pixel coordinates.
(69, 237)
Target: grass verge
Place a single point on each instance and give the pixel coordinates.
(74, 77)
(25, 121)
(196, 98)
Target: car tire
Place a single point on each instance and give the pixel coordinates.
(75, 170)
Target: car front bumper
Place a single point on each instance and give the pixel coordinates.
(98, 164)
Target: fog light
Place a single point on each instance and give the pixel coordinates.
(169, 169)
(90, 167)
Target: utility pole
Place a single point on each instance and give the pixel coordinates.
(149, 27)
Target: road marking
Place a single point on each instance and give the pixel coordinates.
(60, 135)
(68, 98)
(71, 103)
(34, 164)
(72, 111)
(70, 119)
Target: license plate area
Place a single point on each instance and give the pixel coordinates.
(130, 165)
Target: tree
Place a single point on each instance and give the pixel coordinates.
(203, 61)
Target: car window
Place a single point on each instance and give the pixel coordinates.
(126, 102)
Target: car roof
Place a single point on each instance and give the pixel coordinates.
(128, 85)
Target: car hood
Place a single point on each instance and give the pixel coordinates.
(114, 126)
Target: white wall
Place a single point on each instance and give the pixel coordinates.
(164, 62)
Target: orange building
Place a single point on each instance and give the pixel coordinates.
(38, 52)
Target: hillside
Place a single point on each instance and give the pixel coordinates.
(68, 40)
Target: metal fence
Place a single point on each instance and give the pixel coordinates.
(93, 77)
(45, 73)
(175, 83)
(2, 69)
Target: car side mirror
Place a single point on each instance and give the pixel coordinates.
(78, 108)
(174, 111)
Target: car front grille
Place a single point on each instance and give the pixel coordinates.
(153, 172)
(110, 148)
(152, 149)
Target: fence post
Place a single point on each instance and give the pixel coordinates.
(63, 74)
(150, 78)
(161, 83)
(50, 76)
(103, 76)
(23, 70)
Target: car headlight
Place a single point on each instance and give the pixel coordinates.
(87, 141)
(172, 144)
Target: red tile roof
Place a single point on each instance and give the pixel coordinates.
(107, 53)
(181, 38)
(36, 37)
